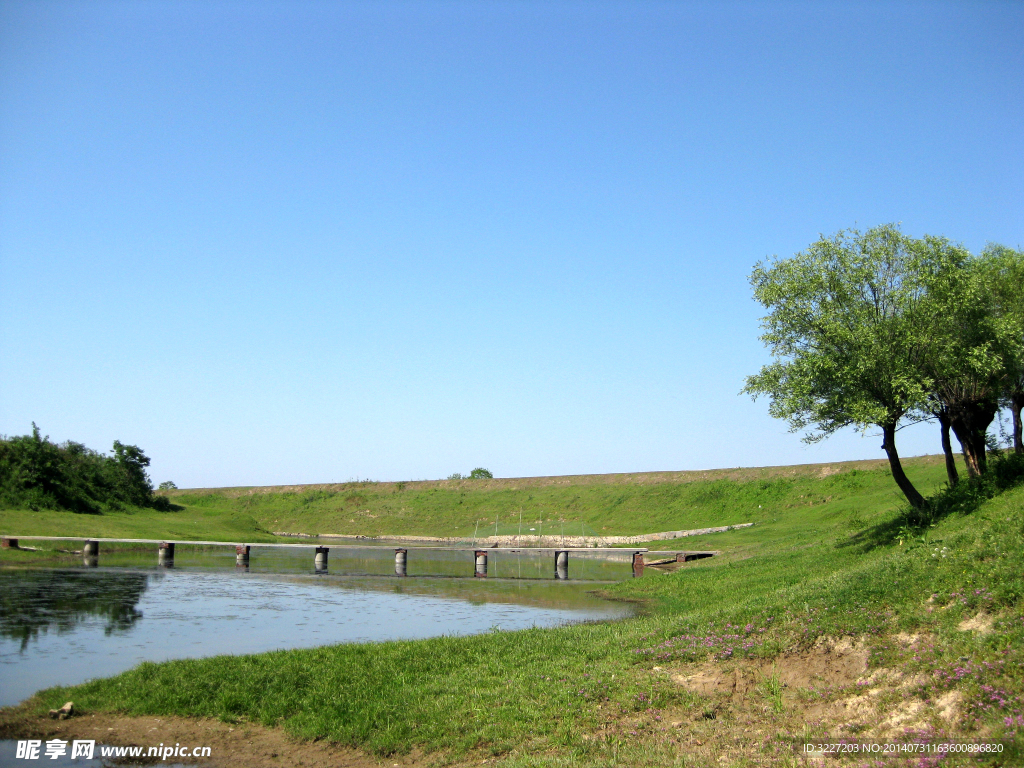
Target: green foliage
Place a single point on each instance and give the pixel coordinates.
(877, 328)
(1005, 272)
(39, 474)
(973, 341)
(168, 485)
(967, 342)
(127, 471)
(477, 474)
(846, 329)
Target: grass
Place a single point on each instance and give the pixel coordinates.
(180, 524)
(596, 504)
(771, 689)
(830, 556)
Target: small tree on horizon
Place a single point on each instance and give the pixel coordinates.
(480, 474)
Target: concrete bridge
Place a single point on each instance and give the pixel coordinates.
(243, 552)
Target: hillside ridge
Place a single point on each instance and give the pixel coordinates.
(739, 474)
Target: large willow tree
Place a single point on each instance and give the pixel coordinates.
(876, 329)
(846, 326)
(969, 345)
(1004, 270)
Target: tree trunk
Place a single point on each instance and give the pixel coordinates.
(1016, 403)
(969, 446)
(889, 446)
(951, 474)
(970, 424)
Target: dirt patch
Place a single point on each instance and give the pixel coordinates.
(833, 663)
(828, 684)
(948, 705)
(230, 745)
(980, 623)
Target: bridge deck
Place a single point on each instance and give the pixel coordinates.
(314, 544)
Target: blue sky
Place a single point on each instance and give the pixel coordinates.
(313, 242)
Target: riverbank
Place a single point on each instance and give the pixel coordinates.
(520, 540)
(828, 619)
(586, 507)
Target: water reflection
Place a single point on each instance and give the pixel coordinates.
(107, 620)
(347, 560)
(34, 601)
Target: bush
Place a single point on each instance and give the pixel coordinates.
(40, 474)
(480, 474)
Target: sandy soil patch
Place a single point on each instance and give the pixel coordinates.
(834, 663)
(980, 623)
(828, 684)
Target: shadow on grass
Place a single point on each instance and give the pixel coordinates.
(163, 504)
(1005, 470)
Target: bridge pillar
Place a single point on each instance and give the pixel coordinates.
(165, 555)
(401, 558)
(638, 564)
(481, 563)
(242, 554)
(90, 553)
(320, 559)
(561, 564)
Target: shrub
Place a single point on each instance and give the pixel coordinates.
(39, 474)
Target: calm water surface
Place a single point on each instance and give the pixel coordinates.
(61, 626)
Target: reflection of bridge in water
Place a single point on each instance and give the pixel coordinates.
(243, 552)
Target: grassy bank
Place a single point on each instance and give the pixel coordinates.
(934, 607)
(182, 523)
(595, 504)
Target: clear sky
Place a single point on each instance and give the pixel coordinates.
(310, 242)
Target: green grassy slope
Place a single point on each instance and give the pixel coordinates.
(632, 505)
(184, 524)
(598, 504)
(852, 566)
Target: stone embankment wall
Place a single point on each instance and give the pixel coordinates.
(528, 540)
